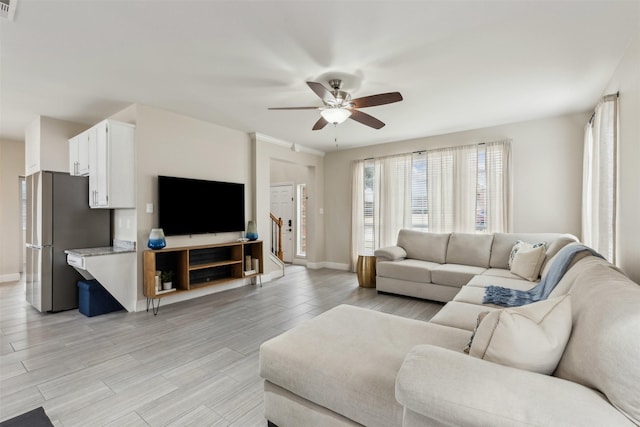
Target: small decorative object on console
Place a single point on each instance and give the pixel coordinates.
(167, 277)
(252, 231)
(156, 239)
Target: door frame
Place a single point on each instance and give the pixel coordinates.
(294, 219)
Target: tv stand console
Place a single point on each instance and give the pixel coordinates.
(195, 267)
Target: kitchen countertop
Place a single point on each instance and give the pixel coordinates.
(119, 247)
(105, 250)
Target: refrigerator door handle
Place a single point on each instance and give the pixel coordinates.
(32, 246)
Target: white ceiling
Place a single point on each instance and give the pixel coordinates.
(459, 65)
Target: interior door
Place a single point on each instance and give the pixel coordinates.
(282, 207)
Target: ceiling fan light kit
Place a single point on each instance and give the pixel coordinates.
(335, 115)
(338, 105)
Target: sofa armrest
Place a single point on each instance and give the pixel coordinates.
(457, 389)
(391, 253)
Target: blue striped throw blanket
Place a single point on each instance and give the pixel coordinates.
(514, 298)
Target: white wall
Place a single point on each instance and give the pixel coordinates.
(287, 173)
(171, 144)
(11, 168)
(291, 173)
(626, 79)
(266, 150)
(47, 146)
(547, 176)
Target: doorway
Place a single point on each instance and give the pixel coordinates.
(282, 207)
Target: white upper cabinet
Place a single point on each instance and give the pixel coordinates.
(106, 154)
(112, 166)
(79, 147)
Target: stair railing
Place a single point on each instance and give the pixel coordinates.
(276, 236)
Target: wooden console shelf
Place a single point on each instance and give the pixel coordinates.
(195, 267)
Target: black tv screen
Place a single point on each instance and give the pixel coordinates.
(195, 206)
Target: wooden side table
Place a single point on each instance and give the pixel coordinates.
(366, 270)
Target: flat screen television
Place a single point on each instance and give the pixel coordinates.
(196, 206)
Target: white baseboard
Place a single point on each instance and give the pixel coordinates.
(13, 277)
(327, 264)
(267, 277)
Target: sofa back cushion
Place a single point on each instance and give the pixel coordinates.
(425, 246)
(503, 243)
(602, 352)
(469, 249)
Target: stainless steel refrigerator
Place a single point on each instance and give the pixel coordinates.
(59, 218)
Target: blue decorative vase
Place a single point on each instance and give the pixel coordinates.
(252, 231)
(156, 239)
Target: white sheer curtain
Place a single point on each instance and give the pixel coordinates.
(599, 183)
(387, 200)
(452, 189)
(498, 195)
(357, 212)
(394, 198)
(463, 189)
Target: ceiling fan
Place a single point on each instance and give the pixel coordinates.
(338, 105)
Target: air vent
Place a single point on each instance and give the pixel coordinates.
(8, 9)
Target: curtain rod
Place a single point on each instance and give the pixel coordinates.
(433, 149)
(605, 98)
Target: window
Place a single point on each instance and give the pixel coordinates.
(463, 189)
(369, 206)
(301, 232)
(599, 183)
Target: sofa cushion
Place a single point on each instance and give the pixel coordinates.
(413, 270)
(549, 262)
(603, 350)
(501, 272)
(460, 315)
(469, 249)
(532, 337)
(482, 281)
(347, 360)
(520, 245)
(472, 295)
(503, 243)
(554, 246)
(390, 253)
(447, 388)
(425, 246)
(454, 274)
(527, 262)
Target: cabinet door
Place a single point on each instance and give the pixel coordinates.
(93, 179)
(79, 153)
(73, 155)
(99, 167)
(84, 142)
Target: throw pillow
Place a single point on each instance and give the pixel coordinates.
(528, 262)
(480, 317)
(519, 244)
(531, 337)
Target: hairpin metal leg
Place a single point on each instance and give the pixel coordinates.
(154, 307)
(255, 279)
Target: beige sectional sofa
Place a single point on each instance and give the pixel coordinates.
(351, 366)
(435, 266)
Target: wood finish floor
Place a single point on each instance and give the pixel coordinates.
(195, 364)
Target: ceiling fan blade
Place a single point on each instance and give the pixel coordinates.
(379, 99)
(321, 91)
(320, 124)
(293, 108)
(365, 119)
